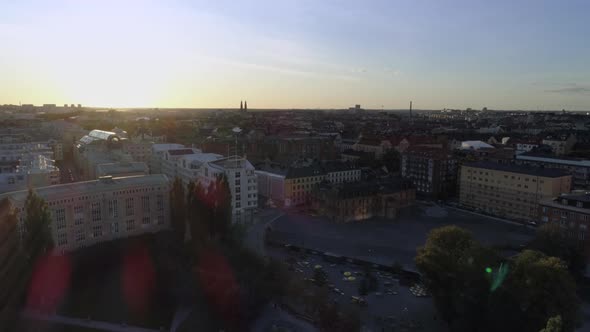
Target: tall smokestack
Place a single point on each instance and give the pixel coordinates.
(410, 110)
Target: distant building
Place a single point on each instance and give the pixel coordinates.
(87, 213)
(510, 191)
(378, 147)
(348, 202)
(571, 212)
(578, 167)
(289, 186)
(122, 169)
(157, 157)
(99, 147)
(432, 171)
(560, 144)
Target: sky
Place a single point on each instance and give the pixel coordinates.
(501, 54)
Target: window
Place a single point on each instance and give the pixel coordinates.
(60, 218)
(145, 220)
(237, 182)
(160, 202)
(238, 175)
(96, 211)
(238, 197)
(238, 205)
(115, 227)
(160, 220)
(62, 239)
(97, 231)
(129, 206)
(113, 208)
(145, 203)
(80, 235)
(130, 224)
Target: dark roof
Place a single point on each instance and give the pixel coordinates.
(301, 172)
(577, 197)
(534, 171)
(179, 152)
(366, 188)
(338, 166)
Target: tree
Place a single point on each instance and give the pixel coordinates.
(38, 239)
(453, 266)
(538, 288)
(553, 325)
(198, 214)
(178, 208)
(363, 288)
(14, 268)
(553, 241)
(222, 206)
(320, 277)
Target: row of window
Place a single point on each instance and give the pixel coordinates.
(97, 230)
(113, 210)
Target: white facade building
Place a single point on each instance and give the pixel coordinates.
(157, 156)
(87, 213)
(190, 164)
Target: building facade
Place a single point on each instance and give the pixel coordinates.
(578, 167)
(571, 212)
(432, 171)
(190, 164)
(509, 191)
(348, 202)
(90, 212)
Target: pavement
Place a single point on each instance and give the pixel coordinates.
(386, 241)
(254, 239)
(274, 318)
(105, 326)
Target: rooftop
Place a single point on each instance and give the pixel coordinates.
(180, 152)
(544, 172)
(94, 186)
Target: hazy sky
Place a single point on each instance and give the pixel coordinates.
(529, 54)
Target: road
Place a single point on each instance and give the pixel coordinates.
(105, 326)
(273, 316)
(255, 234)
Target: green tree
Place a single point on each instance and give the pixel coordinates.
(178, 209)
(553, 325)
(552, 240)
(319, 276)
(38, 239)
(198, 212)
(538, 288)
(453, 266)
(222, 208)
(363, 288)
(14, 268)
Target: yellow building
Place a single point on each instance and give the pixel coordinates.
(510, 191)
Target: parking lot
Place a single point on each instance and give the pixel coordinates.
(389, 242)
(392, 306)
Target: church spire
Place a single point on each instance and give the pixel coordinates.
(245, 105)
(241, 107)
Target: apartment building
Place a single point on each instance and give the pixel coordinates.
(509, 191)
(157, 156)
(572, 212)
(32, 170)
(433, 171)
(90, 212)
(560, 144)
(578, 167)
(190, 164)
(289, 186)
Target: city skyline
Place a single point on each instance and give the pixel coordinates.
(302, 54)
